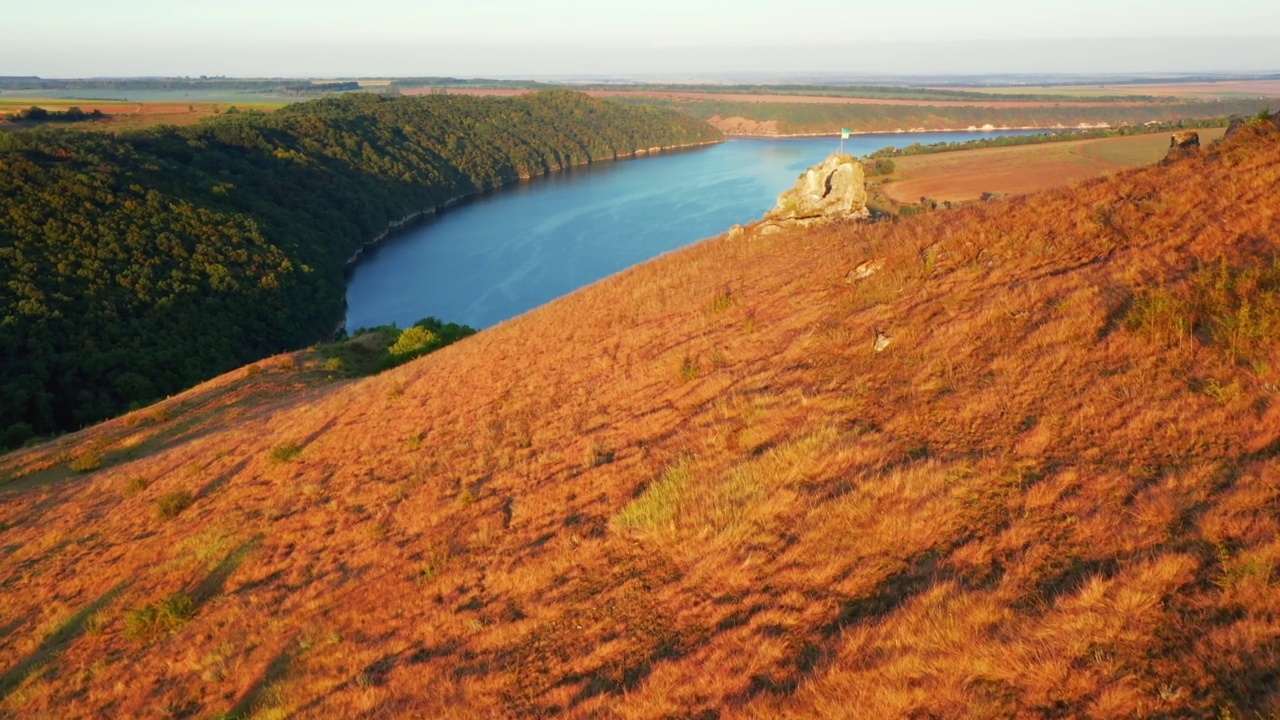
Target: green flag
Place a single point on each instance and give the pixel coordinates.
(845, 133)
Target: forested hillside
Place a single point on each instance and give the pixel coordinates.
(133, 266)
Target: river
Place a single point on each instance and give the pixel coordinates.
(506, 252)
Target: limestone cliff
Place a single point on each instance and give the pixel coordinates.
(834, 190)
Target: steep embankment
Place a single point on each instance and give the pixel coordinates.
(134, 266)
(697, 489)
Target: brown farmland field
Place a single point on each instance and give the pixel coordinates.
(128, 115)
(1205, 90)
(696, 489)
(778, 98)
(964, 175)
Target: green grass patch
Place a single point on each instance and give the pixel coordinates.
(1233, 308)
(159, 619)
(86, 462)
(731, 507)
(285, 452)
(661, 503)
(371, 350)
(171, 505)
(689, 369)
(134, 486)
(721, 302)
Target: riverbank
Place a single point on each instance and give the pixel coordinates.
(413, 219)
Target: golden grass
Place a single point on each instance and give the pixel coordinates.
(1026, 506)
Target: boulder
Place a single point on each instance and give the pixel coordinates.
(865, 270)
(834, 190)
(1183, 144)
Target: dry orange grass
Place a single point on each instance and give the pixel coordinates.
(696, 490)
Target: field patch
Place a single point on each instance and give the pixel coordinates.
(965, 175)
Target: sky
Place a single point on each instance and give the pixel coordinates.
(529, 38)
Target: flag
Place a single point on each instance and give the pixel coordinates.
(845, 133)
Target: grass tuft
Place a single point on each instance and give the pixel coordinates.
(86, 462)
(171, 505)
(285, 452)
(689, 369)
(158, 619)
(134, 486)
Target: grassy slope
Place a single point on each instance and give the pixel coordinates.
(694, 488)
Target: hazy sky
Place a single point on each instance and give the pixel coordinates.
(60, 38)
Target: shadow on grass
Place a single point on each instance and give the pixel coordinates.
(254, 698)
(73, 628)
(216, 580)
(216, 484)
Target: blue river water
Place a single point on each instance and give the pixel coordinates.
(499, 255)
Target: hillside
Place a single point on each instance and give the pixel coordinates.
(697, 490)
(133, 266)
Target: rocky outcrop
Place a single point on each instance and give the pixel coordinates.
(1238, 123)
(1183, 144)
(834, 190)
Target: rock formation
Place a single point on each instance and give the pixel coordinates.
(1239, 123)
(834, 190)
(1183, 144)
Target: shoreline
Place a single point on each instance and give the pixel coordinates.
(416, 217)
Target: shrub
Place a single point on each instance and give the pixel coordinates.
(161, 618)
(15, 435)
(721, 302)
(413, 341)
(689, 370)
(135, 486)
(285, 452)
(86, 462)
(1236, 309)
(171, 505)
(598, 454)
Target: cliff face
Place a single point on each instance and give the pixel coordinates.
(834, 190)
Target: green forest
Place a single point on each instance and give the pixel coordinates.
(134, 266)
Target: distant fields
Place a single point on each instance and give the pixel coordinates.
(820, 99)
(1207, 90)
(127, 114)
(965, 175)
(755, 110)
